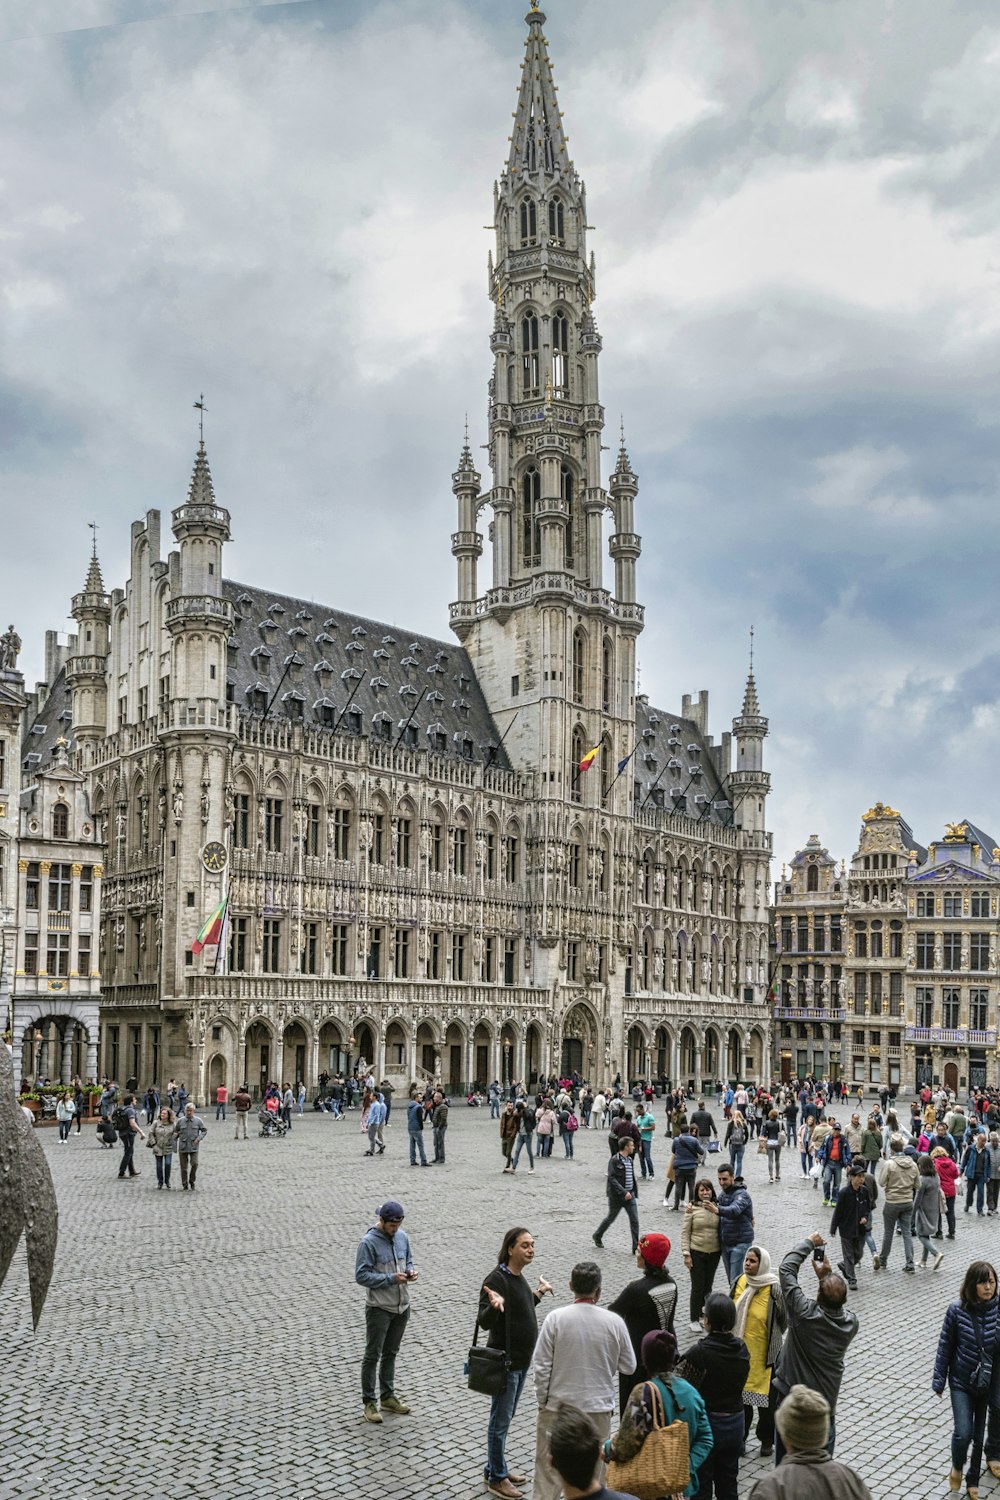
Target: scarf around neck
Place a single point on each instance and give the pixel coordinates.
(765, 1277)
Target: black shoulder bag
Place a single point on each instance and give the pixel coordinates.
(487, 1369)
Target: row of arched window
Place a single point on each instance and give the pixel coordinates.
(531, 369)
(531, 531)
(685, 887)
(580, 665)
(527, 221)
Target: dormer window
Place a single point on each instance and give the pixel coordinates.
(461, 708)
(354, 720)
(294, 703)
(60, 821)
(378, 685)
(408, 691)
(331, 624)
(244, 599)
(257, 698)
(354, 647)
(358, 630)
(350, 674)
(381, 655)
(302, 614)
(435, 696)
(323, 712)
(388, 640)
(276, 609)
(436, 669)
(528, 221)
(321, 667)
(267, 625)
(297, 632)
(410, 734)
(323, 639)
(416, 649)
(381, 727)
(465, 747)
(409, 665)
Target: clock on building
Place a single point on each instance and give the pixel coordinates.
(214, 857)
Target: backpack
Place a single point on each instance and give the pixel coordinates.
(737, 1138)
(572, 1123)
(120, 1120)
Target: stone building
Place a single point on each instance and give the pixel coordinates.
(418, 872)
(808, 931)
(952, 900)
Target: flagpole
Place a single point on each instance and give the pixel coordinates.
(621, 770)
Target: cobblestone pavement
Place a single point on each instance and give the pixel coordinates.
(207, 1345)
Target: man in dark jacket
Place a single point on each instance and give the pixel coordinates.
(718, 1366)
(439, 1122)
(819, 1332)
(688, 1154)
(851, 1220)
(702, 1122)
(735, 1209)
(507, 1313)
(623, 1193)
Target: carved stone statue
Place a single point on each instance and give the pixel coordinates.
(10, 646)
(178, 803)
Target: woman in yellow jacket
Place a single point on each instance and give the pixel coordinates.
(760, 1322)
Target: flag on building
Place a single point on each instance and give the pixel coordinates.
(589, 758)
(211, 933)
(623, 763)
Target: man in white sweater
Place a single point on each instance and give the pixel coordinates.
(581, 1351)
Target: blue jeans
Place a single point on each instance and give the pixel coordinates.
(736, 1159)
(417, 1144)
(968, 1410)
(568, 1143)
(720, 1471)
(502, 1409)
(978, 1187)
(732, 1259)
(523, 1140)
(832, 1172)
(163, 1164)
(646, 1160)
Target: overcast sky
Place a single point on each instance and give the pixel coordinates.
(798, 247)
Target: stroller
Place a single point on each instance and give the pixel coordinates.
(271, 1125)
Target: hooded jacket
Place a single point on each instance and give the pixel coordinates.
(380, 1256)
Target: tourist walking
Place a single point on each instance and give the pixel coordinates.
(771, 1135)
(645, 1123)
(161, 1140)
(736, 1140)
(702, 1122)
(221, 1100)
(820, 1330)
(79, 1105)
(687, 1154)
(509, 1123)
(384, 1267)
(545, 1128)
(189, 1132)
(976, 1171)
(241, 1103)
(948, 1173)
(507, 1313)
(681, 1402)
(622, 1191)
(897, 1178)
(581, 1351)
(701, 1247)
(852, 1216)
(646, 1304)
(760, 1323)
(126, 1122)
(376, 1122)
(525, 1135)
(717, 1366)
(967, 1349)
(927, 1212)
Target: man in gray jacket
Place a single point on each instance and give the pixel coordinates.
(819, 1332)
(808, 1472)
(189, 1132)
(384, 1267)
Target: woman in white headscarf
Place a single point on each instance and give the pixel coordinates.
(760, 1323)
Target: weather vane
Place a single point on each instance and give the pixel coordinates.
(751, 650)
(201, 409)
(93, 534)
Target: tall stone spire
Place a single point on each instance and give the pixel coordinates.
(201, 491)
(538, 142)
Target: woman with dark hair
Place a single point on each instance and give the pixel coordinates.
(681, 1403)
(718, 1366)
(927, 1211)
(701, 1247)
(761, 1321)
(966, 1353)
(771, 1135)
(507, 1313)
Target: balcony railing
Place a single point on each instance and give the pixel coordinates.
(962, 1036)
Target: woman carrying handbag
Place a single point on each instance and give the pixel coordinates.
(664, 1434)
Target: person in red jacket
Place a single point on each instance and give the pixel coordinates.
(948, 1175)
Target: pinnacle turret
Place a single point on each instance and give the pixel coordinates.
(751, 708)
(201, 491)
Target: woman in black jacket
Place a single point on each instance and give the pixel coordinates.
(717, 1366)
(967, 1351)
(646, 1305)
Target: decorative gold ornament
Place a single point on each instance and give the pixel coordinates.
(880, 810)
(956, 833)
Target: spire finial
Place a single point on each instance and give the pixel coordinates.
(94, 583)
(93, 537)
(201, 409)
(751, 650)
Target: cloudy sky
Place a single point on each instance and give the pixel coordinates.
(798, 242)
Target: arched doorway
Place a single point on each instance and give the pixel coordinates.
(508, 1053)
(734, 1057)
(454, 1051)
(710, 1060)
(532, 1055)
(396, 1051)
(662, 1050)
(756, 1057)
(295, 1052)
(363, 1038)
(217, 1074)
(635, 1067)
(579, 1043)
(688, 1054)
(331, 1053)
(481, 1039)
(258, 1055)
(426, 1050)
(951, 1076)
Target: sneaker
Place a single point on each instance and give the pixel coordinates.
(372, 1413)
(393, 1403)
(876, 1262)
(937, 1260)
(910, 1270)
(597, 1241)
(695, 1327)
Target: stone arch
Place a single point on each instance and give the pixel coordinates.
(397, 1049)
(533, 1042)
(711, 1056)
(734, 1055)
(662, 1051)
(580, 1038)
(508, 1051)
(482, 1055)
(362, 1044)
(755, 1049)
(427, 1049)
(259, 1055)
(295, 1053)
(689, 1049)
(453, 1056)
(636, 1049)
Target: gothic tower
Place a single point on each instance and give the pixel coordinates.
(86, 671)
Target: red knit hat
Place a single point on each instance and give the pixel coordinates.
(654, 1249)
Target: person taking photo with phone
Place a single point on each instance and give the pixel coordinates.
(820, 1329)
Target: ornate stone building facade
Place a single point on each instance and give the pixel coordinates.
(418, 872)
(809, 965)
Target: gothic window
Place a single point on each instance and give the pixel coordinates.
(566, 495)
(560, 356)
(575, 861)
(342, 832)
(607, 767)
(529, 221)
(557, 221)
(579, 667)
(273, 823)
(313, 837)
(529, 355)
(648, 867)
(812, 878)
(531, 538)
(607, 676)
(576, 789)
(60, 821)
(512, 854)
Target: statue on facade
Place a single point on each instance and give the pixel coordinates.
(10, 646)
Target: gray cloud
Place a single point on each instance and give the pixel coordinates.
(799, 279)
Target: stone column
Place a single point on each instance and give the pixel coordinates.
(675, 1060)
(470, 1062)
(697, 1068)
(91, 1057)
(67, 1052)
(74, 920)
(17, 1042)
(517, 1060)
(43, 916)
(314, 1058)
(378, 1061)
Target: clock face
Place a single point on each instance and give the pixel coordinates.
(214, 856)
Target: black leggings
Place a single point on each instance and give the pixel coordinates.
(704, 1264)
(765, 1421)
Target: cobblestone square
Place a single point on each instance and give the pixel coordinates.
(205, 1345)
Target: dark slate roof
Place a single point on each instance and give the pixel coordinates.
(674, 758)
(55, 718)
(333, 653)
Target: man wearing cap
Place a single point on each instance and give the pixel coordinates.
(384, 1267)
(835, 1155)
(852, 1219)
(646, 1305)
(808, 1472)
